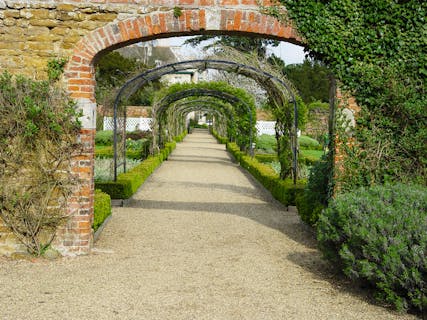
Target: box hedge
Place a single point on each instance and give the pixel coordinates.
(102, 208)
(282, 190)
(180, 137)
(220, 139)
(128, 183)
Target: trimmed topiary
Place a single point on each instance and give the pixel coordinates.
(379, 235)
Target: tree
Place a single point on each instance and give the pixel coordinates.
(113, 70)
(311, 78)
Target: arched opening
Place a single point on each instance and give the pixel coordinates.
(80, 81)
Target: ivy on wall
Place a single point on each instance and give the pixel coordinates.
(377, 50)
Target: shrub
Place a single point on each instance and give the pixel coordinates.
(104, 168)
(104, 138)
(318, 105)
(135, 149)
(378, 235)
(310, 157)
(305, 142)
(316, 193)
(138, 135)
(266, 144)
(102, 208)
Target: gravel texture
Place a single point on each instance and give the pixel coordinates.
(200, 240)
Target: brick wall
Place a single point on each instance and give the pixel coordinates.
(32, 32)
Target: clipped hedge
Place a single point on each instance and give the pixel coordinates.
(180, 137)
(378, 235)
(282, 190)
(128, 183)
(220, 139)
(102, 208)
(107, 152)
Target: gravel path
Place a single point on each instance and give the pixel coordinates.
(200, 240)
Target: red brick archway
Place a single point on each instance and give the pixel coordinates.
(231, 17)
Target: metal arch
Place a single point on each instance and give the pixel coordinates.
(218, 114)
(166, 101)
(210, 104)
(201, 64)
(220, 111)
(206, 102)
(169, 99)
(190, 108)
(207, 105)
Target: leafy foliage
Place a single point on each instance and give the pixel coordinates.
(266, 144)
(317, 192)
(311, 79)
(55, 67)
(378, 235)
(285, 130)
(38, 135)
(104, 138)
(242, 110)
(377, 50)
(112, 71)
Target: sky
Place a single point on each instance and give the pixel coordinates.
(289, 53)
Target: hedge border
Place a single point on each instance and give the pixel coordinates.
(101, 209)
(282, 190)
(129, 182)
(220, 139)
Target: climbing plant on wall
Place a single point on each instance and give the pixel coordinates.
(38, 135)
(377, 50)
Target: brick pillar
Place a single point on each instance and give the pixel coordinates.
(76, 237)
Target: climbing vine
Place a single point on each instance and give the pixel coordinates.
(38, 135)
